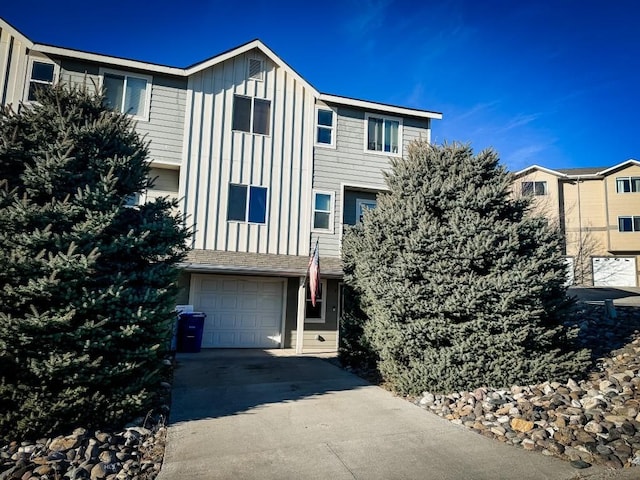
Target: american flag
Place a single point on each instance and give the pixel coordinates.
(314, 274)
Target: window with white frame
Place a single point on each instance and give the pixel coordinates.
(629, 224)
(628, 184)
(534, 189)
(325, 127)
(323, 210)
(252, 115)
(127, 93)
(383, 134)
(42, 76)
(363, 205)
(315, 314)
(247, 203)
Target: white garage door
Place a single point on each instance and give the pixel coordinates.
(242, 312)
(614, 271)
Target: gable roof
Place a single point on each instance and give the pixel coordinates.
(214, 60)
(595, 172)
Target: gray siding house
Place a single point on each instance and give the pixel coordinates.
(263, 164)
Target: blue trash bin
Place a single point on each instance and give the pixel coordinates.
(190, 327)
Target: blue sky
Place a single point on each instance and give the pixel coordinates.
(547, 82)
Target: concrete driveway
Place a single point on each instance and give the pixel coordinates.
(621, 296)
(254, 414)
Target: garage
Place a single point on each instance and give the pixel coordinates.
(614, 271)
(242, 312)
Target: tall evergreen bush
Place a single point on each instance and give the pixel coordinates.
(87, 284)
(461, 287)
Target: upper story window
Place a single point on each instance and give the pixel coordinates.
(323, 211)
(628, 184)
(252, 115)
(325, 127)
(534, 189)
(629, 224)
(383, 134)
(42, 76)
(247, 203)
(127, 93)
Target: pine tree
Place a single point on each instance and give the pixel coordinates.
(461, 287)
(87, 284)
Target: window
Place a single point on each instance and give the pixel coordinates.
(383, 134)
(127, 93)
(315, 314)
(628, 184)
(323, 211)
(251, 115)
(247, 203)
(361, 206)
(325, 127)
(42, 75)
(534, 189)
(629, 224)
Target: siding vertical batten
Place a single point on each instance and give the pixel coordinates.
(7, 73)
(198, 107)
(281, 159)
(272, 156)
(186, 180)
(210, 176)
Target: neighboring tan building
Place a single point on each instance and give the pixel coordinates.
(263, 164)
(598, 211)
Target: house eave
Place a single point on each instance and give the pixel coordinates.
(383, 107)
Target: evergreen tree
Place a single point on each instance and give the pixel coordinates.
(87, 284)
(461, 287)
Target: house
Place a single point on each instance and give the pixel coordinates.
(263, 164)
(598, 212)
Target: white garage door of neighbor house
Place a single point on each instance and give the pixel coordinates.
(242, 312)
(614, 271)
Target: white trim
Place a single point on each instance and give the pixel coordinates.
(629, 178)
(147, 93)
(384, 118)
(381, 107)
(323, 307)
(333, 127)
(631, 161)
(300, 315)
(533, 188)
(542, 169)
(632, 217)
(332, 207)
(283, 321)
(27, 83)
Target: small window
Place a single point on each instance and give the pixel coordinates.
(42, 75)
(628, 184)
(247, 203)
(534, 189)
(325, 127)
(629, 224)
(252, 115)
(383, 135)
(127, 94)
(323, 211)
(363, 205)
(315, 314)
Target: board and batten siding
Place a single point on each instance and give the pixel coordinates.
(165, 128)
(350, 164)
(13, 66)
(215, 156)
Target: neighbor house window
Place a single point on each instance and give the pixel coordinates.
(247, 203)
(315, 314)
(252, 115)
(42, 75)
(325, 127)
(629, 224)
(628, 184)
(127, 93)
(534, 188)
(383, 134)
(323, 210)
